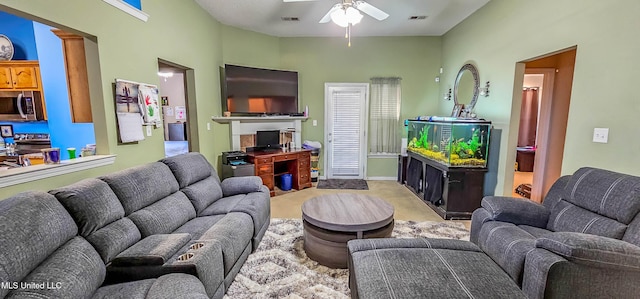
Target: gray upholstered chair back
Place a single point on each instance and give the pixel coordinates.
(39, 244)
(197, 179)
(596, 201)
(100, 216)
(150, 198)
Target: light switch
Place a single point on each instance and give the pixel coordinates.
(149, 132)
(208, 126)
(601, 135)
(315, 122)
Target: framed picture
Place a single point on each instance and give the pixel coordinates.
(456, 110)
(6, 130)
(165, 101)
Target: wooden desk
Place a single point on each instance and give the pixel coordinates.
(272, 164)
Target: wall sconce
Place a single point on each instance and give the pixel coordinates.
(484, 91)
(447, 95)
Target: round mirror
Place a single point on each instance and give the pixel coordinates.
(466, 87)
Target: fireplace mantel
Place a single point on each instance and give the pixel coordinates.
(243, 125)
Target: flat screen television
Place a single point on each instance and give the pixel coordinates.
(268, 139)
(255, 91)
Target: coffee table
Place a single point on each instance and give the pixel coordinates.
(331, 220)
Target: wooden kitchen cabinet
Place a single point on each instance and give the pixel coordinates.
(20, 75)
(75, 64)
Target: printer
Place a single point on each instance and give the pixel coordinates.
(234, 164)
(234, 158)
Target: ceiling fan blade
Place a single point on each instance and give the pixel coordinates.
(298, 0)
(371, 10)
(327, 17)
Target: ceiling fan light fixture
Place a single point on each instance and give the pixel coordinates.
(339, 16)
(353, 15)
(346, 15)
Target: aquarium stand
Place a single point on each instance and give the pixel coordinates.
(452, 192)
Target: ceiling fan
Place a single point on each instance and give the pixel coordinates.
(347, 13)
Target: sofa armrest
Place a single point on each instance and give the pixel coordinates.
(592, 250)
(153, 250)
(357, 245)
(518, 211)
(241, 185)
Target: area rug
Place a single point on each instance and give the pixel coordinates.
(343, 184)
(280, 268)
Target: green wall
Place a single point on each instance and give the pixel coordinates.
(320, 60)
(177, 31)
(505, 32)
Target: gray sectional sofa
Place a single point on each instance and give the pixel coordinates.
(168, 229)
(583, 241)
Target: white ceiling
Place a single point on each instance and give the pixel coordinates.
(264, 16)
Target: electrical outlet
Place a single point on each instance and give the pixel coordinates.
(601, 135)
(315, 122)
(149, 132)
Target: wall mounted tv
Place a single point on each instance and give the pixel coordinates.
(254, 91)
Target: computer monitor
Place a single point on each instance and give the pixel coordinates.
(268, 139)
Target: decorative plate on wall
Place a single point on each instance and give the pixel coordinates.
(6, 48)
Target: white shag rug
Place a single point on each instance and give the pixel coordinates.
(280, 268)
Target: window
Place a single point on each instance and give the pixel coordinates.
(384, 118)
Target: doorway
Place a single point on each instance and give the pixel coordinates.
(542, 122)
(345, 129)
(175, 116)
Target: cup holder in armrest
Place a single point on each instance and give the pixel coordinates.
(196, 246)
(185, 257)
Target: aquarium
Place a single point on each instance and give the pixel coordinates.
(451, 142)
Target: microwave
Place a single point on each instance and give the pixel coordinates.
(20, 107)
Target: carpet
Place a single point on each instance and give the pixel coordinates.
(280, 268)
(343, 184)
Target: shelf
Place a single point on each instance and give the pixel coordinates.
(42, 171)
(256, 119)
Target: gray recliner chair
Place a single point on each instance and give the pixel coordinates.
(581, 242)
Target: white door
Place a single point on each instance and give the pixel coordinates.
(345, 129)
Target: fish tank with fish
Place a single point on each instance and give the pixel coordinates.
(450, 141)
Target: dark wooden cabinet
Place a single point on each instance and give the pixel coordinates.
(452, 192)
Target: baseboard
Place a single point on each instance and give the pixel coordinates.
(381, 178)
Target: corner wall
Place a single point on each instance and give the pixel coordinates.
(505, 32)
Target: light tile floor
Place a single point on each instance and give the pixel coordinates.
(407, 205)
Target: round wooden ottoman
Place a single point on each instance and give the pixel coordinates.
(331, 220)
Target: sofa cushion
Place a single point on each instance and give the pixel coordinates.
(507, 245)
(632, 234)
(114, 238)
(536, 232)
(198, 226)
(91, 203)
(152, 250)
(75, 270)
(256, 204)
(428, 273)
(203, 193)
(168, 286)
(190, 168)
(592, 250)
(140, 186)
(164, 216)
(241, 185)
(32, 226)
(234, 233)
(567, 217)
(607, 193)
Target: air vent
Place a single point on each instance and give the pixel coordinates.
(417, 17)
(290, 19)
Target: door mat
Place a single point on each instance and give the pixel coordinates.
(343, 184)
